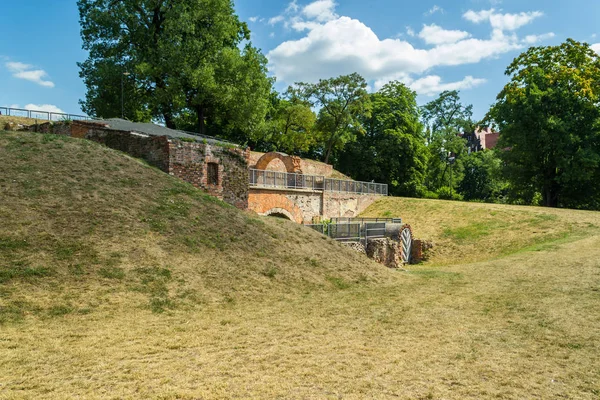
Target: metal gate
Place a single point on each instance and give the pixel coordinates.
(406, 240)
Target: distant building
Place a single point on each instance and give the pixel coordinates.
(481, 139)
(487, 137)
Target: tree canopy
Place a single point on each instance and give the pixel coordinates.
(341, 101)
(392, 150)
(184, 63)
(549, 116)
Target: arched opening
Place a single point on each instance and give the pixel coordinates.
(279, 215)
(291, 163)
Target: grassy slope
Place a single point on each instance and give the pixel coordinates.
(468, 232)
(520, 326)
(4, 119)
(85, 228)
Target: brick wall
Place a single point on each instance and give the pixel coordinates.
(189, 162)
(265, 201)
(308, 167)
(153, 149)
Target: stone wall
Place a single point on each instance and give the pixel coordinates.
(308, 167)
(300, 206)
(189, 162)
(308, 206)
(346, 205)
(152, 149)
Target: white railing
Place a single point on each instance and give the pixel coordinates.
(285, 180)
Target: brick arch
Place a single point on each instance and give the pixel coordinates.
(280, 211)
(292, 163)
(275, 203)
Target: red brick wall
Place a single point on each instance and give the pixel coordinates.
(265, 201)
(308, 167)
(189, 162)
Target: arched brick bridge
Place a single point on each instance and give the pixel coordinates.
(281, 186)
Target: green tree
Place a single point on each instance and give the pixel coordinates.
(184, 61)
(291, 126)
(549, 119)
(482, 176)
(447, 114)
(392, 150)
(341, 102)
(445, 119)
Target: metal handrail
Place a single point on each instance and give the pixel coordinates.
(264, 178)
(26, 113)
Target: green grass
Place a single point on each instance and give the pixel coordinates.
(122, 282)
(77, 213)
(468, 232)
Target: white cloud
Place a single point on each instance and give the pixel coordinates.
(533, 39)
(503, 22)
(25, 71)
(320, 10)
(333, 45)
(253, 19)
(433, 34)
(276, 20)
(292, 7)
(596, 48)
(43, 108)
(346, 45)
(432, 85)
(434, 10)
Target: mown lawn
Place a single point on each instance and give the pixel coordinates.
(118, 282)
(469, 232)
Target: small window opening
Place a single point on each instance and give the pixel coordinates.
(212, 171)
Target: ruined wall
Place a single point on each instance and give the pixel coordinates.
(153, 149)
(302, 206)
(349, 205)
(308, 167)
(189, 162)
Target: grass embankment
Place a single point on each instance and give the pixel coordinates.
(85, 228)
(468, 232)
(120, 282)
(4, 119)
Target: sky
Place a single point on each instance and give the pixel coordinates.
(430, 45)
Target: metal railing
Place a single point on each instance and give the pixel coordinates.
(344, 186)
(286, 180)
(43, 115)
(351, 232)
(345, 232)
(366, 220)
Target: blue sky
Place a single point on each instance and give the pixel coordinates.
(430, 45)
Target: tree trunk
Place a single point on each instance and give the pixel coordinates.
(201, 121)
(169, 122)
(550, 196)
(551, 190)
(329, 148)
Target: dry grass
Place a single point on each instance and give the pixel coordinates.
(4, 119)
(86, 228)
(468, 232)
(298, 317)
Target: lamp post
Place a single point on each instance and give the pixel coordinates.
(122, 96)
